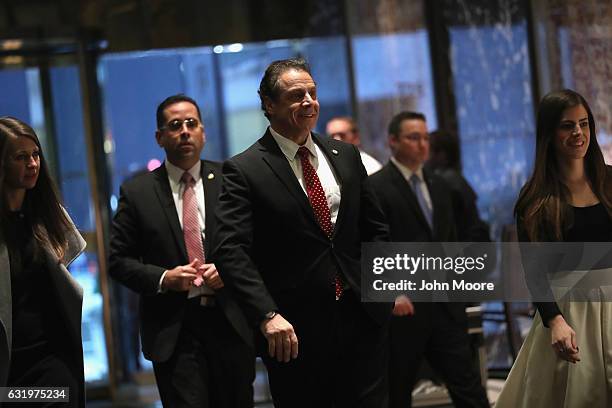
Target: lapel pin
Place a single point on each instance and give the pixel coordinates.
(211, 176)
(335, 152)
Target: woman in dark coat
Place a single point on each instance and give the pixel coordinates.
(40, 303)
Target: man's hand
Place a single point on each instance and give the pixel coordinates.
(180, 278)
(563, 339)
(403, 306)
(211, 277)
(282, 340)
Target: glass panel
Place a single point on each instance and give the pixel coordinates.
(16, 95)
(22, 99)
(492, 86)
(76, 191)
(71, 147)
(392, 74)
(491, 68)
(392, 65)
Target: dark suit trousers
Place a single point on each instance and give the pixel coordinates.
(342, 359)
(432, 333)
(211, 366)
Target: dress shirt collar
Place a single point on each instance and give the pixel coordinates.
(176, 173)
(406, 172)
(290, 148)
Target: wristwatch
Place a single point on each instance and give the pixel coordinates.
(270, 315)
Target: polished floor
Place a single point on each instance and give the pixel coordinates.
(146, 396)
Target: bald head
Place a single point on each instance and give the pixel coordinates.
(343, 128)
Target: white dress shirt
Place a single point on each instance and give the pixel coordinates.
(178, 187)
(319, 162)
(370, 163)
(407, 173)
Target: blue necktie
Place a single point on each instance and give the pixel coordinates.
(415, 183)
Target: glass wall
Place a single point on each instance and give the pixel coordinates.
(22, 99)
(495, 113)
(392, 66)
(19, 88)
(75, 186)
(491, 69)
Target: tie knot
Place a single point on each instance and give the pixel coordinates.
(187, 178)
(303, 152)
(415, 180)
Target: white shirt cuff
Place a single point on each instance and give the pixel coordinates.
(159, 286)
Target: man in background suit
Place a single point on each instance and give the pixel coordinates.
(418, 208)
(161, 237)
(345, 128)
(445, 161)
(292, 215)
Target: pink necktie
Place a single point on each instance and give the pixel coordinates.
(317, 199)
(191, 224)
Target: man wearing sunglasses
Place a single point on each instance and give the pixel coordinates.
(193, 333)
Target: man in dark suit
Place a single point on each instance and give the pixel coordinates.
(160, 244)
(445, 161)
(292, 215)
(418, 208)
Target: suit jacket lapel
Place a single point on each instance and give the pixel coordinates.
(210, 182)
(405, 191)
(277, 161)
(164, 193)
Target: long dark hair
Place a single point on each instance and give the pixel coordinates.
(42, 204)
(543, 207)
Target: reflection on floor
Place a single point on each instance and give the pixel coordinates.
(146, 396)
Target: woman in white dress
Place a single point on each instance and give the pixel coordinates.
(566, 359)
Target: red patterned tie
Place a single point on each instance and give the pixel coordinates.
(191, 224)
(317, 199)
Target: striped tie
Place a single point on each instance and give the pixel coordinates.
(192, 232)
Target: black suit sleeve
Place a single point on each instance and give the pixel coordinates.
(373, 222)
(125, 263)
(537, 282)
(234, 243)
(453, 236)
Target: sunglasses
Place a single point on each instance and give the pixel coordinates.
(177, 124)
